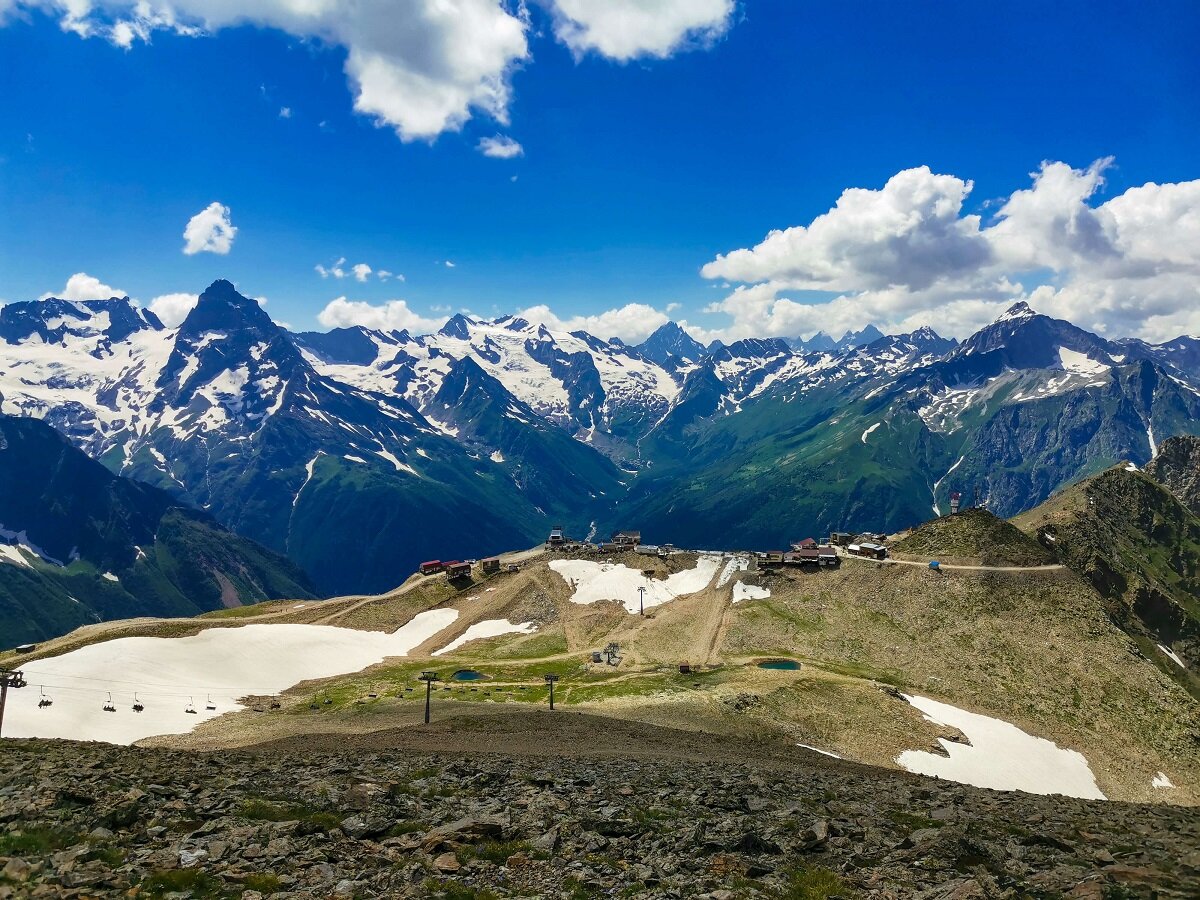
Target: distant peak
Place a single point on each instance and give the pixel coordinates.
(457, 326)
(1019, 310)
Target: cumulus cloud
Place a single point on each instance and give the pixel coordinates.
(82, 286)
(362, 272)
(632, 323)
(421, 67)
(209, 231)
(627, 29)
(393, 315)
(172, 309)
(908, 254)
(500, 147)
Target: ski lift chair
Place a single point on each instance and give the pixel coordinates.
(137, 704)
(191, 707)
(44, 699)
(109, 706)
(210, 706)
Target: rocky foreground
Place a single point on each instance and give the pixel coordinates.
(86, 820)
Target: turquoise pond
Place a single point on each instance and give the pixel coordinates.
(467, 675)
(786, 665)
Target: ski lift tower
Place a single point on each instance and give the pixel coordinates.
(550, 679)
(955, 503)
(429, 678)
(8, 679)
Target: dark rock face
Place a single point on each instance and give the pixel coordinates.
(91, 821)
(671, 347)
(1177, 468)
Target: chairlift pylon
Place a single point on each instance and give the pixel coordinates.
(108, 704)
(137, 704)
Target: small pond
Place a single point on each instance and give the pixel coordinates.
(468, 675)
(786, 665)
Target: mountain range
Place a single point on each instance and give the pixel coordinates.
(358, 452)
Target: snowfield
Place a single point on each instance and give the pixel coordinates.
(593, 582)
(488, 628)
(1000, 756)
(224, 663)
(743, 591)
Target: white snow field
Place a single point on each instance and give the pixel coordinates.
(593, 582)
(488, 628)
(224, 663)
(742, 591)
(1001, 756)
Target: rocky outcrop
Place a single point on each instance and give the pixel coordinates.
(89, 821)
(1177, 468)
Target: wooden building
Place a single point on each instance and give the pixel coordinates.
(490, 566)
(431, 567)
(458, 569)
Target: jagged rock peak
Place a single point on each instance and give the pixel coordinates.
(222, 308)
(1019, 310)
(457, 326)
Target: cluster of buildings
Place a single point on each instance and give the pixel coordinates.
(459, 568)
(806, 552)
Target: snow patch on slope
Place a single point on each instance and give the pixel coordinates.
(226, 663)
(1000, 756)
(592, 582)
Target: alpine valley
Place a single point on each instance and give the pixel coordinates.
(358, 453)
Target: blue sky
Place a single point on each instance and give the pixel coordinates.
(635, 173)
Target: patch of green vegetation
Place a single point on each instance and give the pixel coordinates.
(37, 839)
(190, 882)
(816, 883)
(496, 852)
(453, 890)
(536, 646)
(267, 811)
(263, 882)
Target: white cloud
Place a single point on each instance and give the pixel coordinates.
(421, 67)
(209, 231)
(449, 264)
(172, 309)
(907, 255)
(285, 112)
(362, 272)
(82, 286)
(385, 275)
(911, 232)
(392, 315)
(632, 323)
(333, 271)
(626, 29)
(500, 147)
